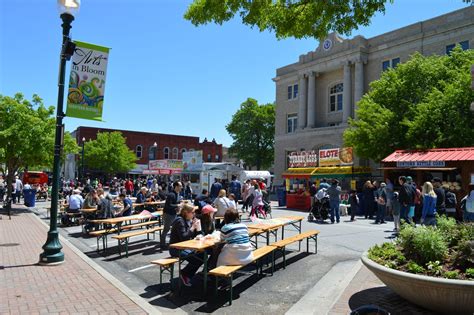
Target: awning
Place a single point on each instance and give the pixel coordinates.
(298, 172)
(448, 154)
(330, 171)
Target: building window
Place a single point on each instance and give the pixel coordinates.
(191, 150)
(152, 153)
(464, 46)
(182, 152)
(139, 151)
(209, 158)
(175, 153)
(387, 64)
(292, 91)
(292, 122)
(335, 97)
(217, 157)
(166, 153)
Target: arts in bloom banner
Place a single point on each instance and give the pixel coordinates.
(85, 96)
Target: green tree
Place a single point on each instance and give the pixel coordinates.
(109, 153)
(253, 130)
(290, 18)
(27, 135)
(421, 104)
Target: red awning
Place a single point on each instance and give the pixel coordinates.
(449, 154)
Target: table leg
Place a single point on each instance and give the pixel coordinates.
(268, 237)
(283, 232)
(205, 273)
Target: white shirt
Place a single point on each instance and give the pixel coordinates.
(222, 204)
(18, 185)
(75, 202)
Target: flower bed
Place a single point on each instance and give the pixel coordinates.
(445, 251)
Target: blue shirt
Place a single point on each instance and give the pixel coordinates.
(429, 206)
(129, 203)
(235, 233)
(235, 188)
(215, 188)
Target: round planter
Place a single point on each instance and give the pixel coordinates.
(436, 294)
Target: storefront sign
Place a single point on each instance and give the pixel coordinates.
(421, 164)
(85, 96)
(303, 159)
(336, 157)
(166, 165)
(192, 161)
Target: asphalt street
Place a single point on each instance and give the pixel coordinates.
(337, 243)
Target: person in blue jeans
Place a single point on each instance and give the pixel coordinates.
(334, 193)
(428, 213)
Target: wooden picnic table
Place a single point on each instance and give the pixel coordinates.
(272, 225)
(293, 220)
(117, 222)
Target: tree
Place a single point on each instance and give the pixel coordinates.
(290, 18)
(26, 135)
(421, 104)
(109, 153)
(253, 130)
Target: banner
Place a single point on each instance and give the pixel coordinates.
(166, 165)
(302, 159)
(85, 96)
(336, 157)
(192, 161)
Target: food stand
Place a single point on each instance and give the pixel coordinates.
(306, 167)
(454, 166)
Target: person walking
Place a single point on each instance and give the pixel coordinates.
(246, 193)
(2, 188)
(257, 202)
(334, 193)
(18, 189)
(354, 203)
(215, 189)
(467, 205)
(406, 198)
(170, 211)
(235, 187)
(396, 212)
(381, 197)
(428, 213)
(440, 196)
(368, 197)
(451, 203)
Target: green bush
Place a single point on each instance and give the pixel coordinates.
(451, 274)
(434, 268)
(413, 267)
(470, 273)
(423, 244)
(386, 254)
(448, 229)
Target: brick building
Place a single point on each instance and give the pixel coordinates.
(167, 146)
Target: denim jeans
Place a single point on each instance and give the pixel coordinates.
(334, 204)
(404, 212)
(193, 262)
(380, 213)
(167, 222)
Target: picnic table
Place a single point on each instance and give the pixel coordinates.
(117, 222)
(272, 225)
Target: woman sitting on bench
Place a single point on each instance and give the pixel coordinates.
(237, 250)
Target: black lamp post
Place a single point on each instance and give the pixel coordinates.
(82, 163)
(52, 248)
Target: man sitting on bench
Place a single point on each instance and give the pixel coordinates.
(127, 206)
(75, 202)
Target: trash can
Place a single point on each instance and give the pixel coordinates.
(281, 193)
(30, 197)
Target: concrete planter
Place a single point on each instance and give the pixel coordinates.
(437, 294)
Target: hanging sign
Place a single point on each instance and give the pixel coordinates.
(85, 96)
(336, 157)
(303, 159)
(421, 163)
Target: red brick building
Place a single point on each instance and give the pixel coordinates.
(167, 146)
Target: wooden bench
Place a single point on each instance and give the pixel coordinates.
(123, 238)
(166, 265)
(102, 234)
(227, 272)
(280, 245)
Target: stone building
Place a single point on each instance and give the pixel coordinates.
(316, 95)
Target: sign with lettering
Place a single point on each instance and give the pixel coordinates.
(421, 164)
(172, 165)
(85, 96)
(303, 159)
(192, 161)
(336, 157)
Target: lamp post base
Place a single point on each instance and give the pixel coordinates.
(52, 254)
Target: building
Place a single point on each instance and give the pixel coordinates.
(316, 95)
(167, 146)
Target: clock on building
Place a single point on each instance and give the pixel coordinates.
(327, 44)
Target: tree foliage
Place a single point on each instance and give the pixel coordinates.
(421, 104)
(289, 18)
(253, 130)
(109, 153)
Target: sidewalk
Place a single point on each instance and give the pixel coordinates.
(73, 287)
(366, 289)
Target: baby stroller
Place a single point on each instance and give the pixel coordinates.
(320, 208)
(267, 208)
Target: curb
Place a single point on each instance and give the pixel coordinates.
(142, 303)
(327, 290)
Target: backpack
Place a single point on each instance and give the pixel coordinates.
(450, 200)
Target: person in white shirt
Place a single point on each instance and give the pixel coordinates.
(75, 201)
(18, 188)
(222, 203)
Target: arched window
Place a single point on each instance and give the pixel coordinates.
(209, 157)
(217, 157)
(175, 153)
(139, 151)
(152, 153)
(191, 150)
(182, 152)
(166, 153)
(335, 97)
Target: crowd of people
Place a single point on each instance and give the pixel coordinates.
(42, 190)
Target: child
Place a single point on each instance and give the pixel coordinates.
(354, 202)
(396, 211)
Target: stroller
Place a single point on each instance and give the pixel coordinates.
(320, 209)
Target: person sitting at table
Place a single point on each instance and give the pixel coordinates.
(222, 203)
(127, 206)
(207, 219)
(184, 228)
(75, 203)
(91, 200)
(233, 201)
(104, 206)
(237, 249)
(141, 196)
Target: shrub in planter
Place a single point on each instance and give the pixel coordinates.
(423, 244)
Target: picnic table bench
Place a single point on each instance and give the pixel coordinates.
(281, 245)
(124, 237)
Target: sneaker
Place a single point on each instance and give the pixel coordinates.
(185, 279)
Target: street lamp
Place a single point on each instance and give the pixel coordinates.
(82, 164)
(52, 254)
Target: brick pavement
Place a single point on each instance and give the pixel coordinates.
(366, 289)
(73, 287)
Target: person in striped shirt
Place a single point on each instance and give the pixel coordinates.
(237, 249)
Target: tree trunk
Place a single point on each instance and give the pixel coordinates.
(10, 177)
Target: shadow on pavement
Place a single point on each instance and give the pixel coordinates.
(385, 298)
(18, 266)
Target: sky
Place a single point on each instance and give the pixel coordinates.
(164, 74)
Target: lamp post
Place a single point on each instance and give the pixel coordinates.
(52, 248)
(82, 163)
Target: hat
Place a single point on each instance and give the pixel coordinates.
(208, 209)
(409, 178)
(383, 184)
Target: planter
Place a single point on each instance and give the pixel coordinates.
(436, 294)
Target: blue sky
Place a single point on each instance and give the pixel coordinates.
(164, 74)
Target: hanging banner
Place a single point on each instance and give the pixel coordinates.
(303, 159)
(85, 96)
(166, 165)
(192, 161)
(336, 157)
